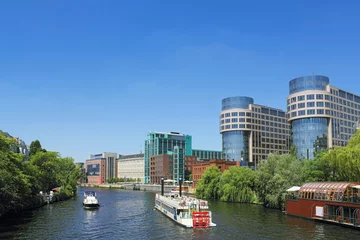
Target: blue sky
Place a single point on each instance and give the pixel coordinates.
(92, 76)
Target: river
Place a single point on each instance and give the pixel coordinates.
(130, 215)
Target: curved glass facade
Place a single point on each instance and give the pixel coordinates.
(313, 82)
(309, 136)
(236, 146)
(236, 102)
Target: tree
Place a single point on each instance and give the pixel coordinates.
(237, 185)
(209, 184)
(35, 147)
(274, 176)
(293, 150)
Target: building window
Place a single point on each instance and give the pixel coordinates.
(293, 99)
(222, 115)
(301, 98)
(241, 125)
(320, 111)
(227, 120)
(222, 121)
(301, 105)
(234, 126)
(310, 97)
(310, 104)
(234, 114)
(293, 107)
(241, 114)
(234, 120)
(319, 96)
(227, 126)
(320, 104)
(301, 113)
(293, 114)
(241, 119)
(227, 114)
(310, 111)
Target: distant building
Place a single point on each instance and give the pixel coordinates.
(131, 166)
(172, 143)
(251, 131)
(199, 168)
(161, 166)
(101, 167)
(322, 116)
(206, 154)
(20, 148)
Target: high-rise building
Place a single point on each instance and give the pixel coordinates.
(321, 116)
(172, 143)
(251, 131)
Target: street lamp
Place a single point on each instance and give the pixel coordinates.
(162, 186)
(180, 182)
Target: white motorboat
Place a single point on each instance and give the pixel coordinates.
(186, 211)
(90, 200)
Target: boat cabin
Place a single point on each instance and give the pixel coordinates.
(328, 201)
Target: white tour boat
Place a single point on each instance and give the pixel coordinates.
(90, 200)
(186, 211)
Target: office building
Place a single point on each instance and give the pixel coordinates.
(321, 116)
(172, 143)
(251, 131)
(131, 166)
(161, 166)
(101, 167)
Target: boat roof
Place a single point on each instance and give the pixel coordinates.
(323, 187)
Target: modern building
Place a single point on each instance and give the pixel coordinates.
(101, 167)
(131, 166)
(251, 131)
(200, 167)
(202, 155)
(321, 116)
(172, 143)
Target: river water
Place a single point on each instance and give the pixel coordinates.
(130, 215)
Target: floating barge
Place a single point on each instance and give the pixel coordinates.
(331, 202)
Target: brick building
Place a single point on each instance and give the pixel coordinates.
(189, 162)
(96, 171)
(161, 166)
(199, 168)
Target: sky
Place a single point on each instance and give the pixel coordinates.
(92, 76)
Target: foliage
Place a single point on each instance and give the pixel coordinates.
(116, 180)
(274, 176)
(237, 185)
(209, 184)
(44, 171)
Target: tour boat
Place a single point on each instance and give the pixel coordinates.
(90, 200)
(186, 211)
(331, 202)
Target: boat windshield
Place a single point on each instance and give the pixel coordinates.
(89, 193)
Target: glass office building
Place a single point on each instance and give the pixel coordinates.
(321, 116)
(179, 145)
(251, 131)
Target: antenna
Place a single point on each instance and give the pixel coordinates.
(140, 149)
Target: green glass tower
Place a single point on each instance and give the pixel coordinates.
(180, 145)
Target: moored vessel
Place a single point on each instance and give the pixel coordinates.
(331, 202)
(90, 200)
(186, 211)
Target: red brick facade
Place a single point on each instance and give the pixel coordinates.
(160, 165)
(97, 179)
(199, 168)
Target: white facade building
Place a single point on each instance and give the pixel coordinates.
(131, 166)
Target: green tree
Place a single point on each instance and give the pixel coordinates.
(209, 184)
(293, 150)
(35, 147)
(237, 185)
(274, 176)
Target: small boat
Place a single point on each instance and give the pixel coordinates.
(186, 211)
(90, 200)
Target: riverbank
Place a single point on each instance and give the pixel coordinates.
(130, 186)
(33, 202)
